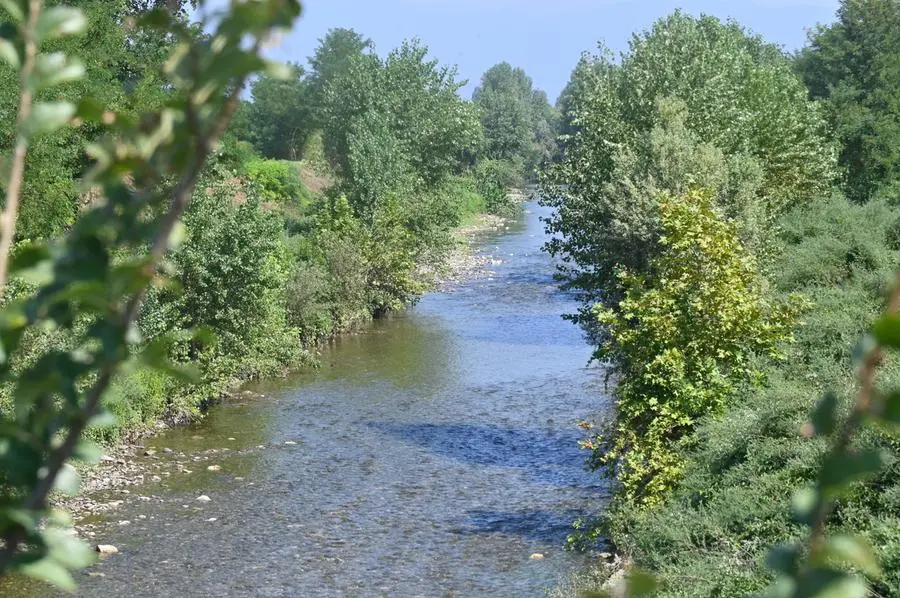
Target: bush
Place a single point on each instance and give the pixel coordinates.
(493, 179)
(277, 181)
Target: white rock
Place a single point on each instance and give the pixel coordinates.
(214, 468)
(203, 498)
(536, 556)
(106, 549)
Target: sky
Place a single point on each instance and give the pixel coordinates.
(544, 37)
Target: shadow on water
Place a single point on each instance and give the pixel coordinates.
(548, 456)
(542, 525)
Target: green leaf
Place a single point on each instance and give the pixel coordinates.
(826, 583)
(58, 21)
(103, 419)
(824, 416)
(280, 70)
(15, 8)
(87, 451)
(68, 550)
(67, 480)
(50, 571)
(783, 559)
(890, 409)
(9, 50)
(47, 117)
(804, 504)
(852, 551)
(887, 330)
(53, 69)
(840, 470)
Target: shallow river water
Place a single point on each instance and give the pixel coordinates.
(430, 455)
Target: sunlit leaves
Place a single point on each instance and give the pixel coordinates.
(90, 282)
(58, 21)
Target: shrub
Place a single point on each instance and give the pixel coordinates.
(277, 181)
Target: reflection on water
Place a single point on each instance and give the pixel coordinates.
(428, 456)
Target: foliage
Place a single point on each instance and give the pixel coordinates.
(680, 341)
(332, 61)
(742, 468)
(276, 180)
(279, 120)
(91, 282)
(396, 123)
(519, 123)
(694, 101)
(854, 66)
(493, 179)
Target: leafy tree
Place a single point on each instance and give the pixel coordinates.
(680, 340)
(519, 123)
(694, 100)
(332, 61)
(854, 65)
(397, 122)
(279, 120)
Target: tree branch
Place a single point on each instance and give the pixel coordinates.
(26, 99)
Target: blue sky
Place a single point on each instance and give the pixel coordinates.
(545, 37)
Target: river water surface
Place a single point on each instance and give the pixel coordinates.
(430, 455)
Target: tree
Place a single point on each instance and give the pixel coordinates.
(680, 340)
(519, 123)
(331, 61)
(279, 119)
(693, 101)
(854, 66)
(397, 123)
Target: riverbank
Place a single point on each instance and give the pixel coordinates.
(434, 452)
(128, 464)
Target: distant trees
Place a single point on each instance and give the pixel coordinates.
(279, 120)
(519, 123)
(854, 66)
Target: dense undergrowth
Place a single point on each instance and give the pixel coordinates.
(710, 437)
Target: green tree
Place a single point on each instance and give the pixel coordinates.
(519, 123)
(693, 101)
(279, 120)
(680, 340)
(854, 65)
(331, 61)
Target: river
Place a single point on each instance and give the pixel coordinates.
(430, 455)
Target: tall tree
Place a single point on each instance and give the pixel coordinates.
(331, 61)
(854, 65)
(694, 102)
(519, 123)
(280, 117)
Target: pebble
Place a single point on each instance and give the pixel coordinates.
(536, 556)
(168, 451)
(106, 549)
(211, 519)
(203, 498)
(124, 522)
(214, 468)
(289, 442)
(156, 478)
(149, 452)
